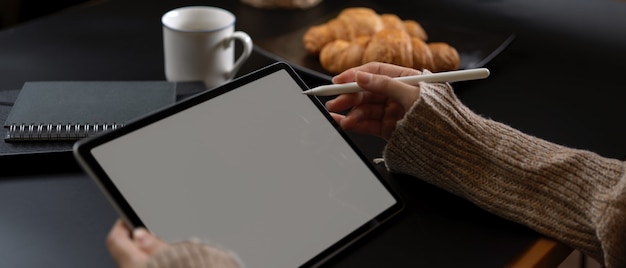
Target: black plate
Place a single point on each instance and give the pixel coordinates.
(475, 47)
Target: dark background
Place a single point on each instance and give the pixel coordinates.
(560, 79)
(587, 36)
(13, 12)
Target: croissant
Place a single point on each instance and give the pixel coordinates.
(390, 46)
(445, 57)
(355, 22)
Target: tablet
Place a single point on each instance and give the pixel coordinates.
(253, 166)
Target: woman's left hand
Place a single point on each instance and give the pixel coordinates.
(132, 249)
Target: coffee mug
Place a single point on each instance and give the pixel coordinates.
(199, 45)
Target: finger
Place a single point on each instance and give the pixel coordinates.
(397, 91)
(364, 119)
(147, 242)
(346, 76)
(121, 247)
(390, 70)
(343, 102)
(337, 117)
(366, 112)
(374, 119)
(343, 121)
(371, 127)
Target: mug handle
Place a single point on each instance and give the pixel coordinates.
(245, 54)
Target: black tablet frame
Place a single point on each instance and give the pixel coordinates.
(82, 153)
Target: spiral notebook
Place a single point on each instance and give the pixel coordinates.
(71, 110)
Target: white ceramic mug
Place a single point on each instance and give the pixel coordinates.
(198, 43)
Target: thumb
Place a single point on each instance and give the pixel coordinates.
(397, 91)
(123, 250)
(147, 242)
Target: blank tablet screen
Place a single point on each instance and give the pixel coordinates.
(255, 167)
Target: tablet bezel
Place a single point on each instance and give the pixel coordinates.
(82, 152)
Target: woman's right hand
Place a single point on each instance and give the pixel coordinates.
(376, 110)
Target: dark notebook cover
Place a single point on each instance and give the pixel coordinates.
(145, 96)
(70, 110)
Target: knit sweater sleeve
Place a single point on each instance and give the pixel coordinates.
(571, 195)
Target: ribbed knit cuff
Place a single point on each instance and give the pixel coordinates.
(561, 192)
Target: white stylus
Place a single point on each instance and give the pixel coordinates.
(441, 77)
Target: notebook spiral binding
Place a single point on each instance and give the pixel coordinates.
(50, 132)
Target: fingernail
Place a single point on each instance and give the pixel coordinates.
(142, 237)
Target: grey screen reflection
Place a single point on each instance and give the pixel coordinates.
(258, 170)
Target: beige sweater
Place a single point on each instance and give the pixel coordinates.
(573, 196)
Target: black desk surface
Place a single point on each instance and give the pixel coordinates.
(559, 80)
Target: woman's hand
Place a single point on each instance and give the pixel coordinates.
(376, 110)
(132, 251)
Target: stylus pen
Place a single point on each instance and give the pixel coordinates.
(450, 76)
